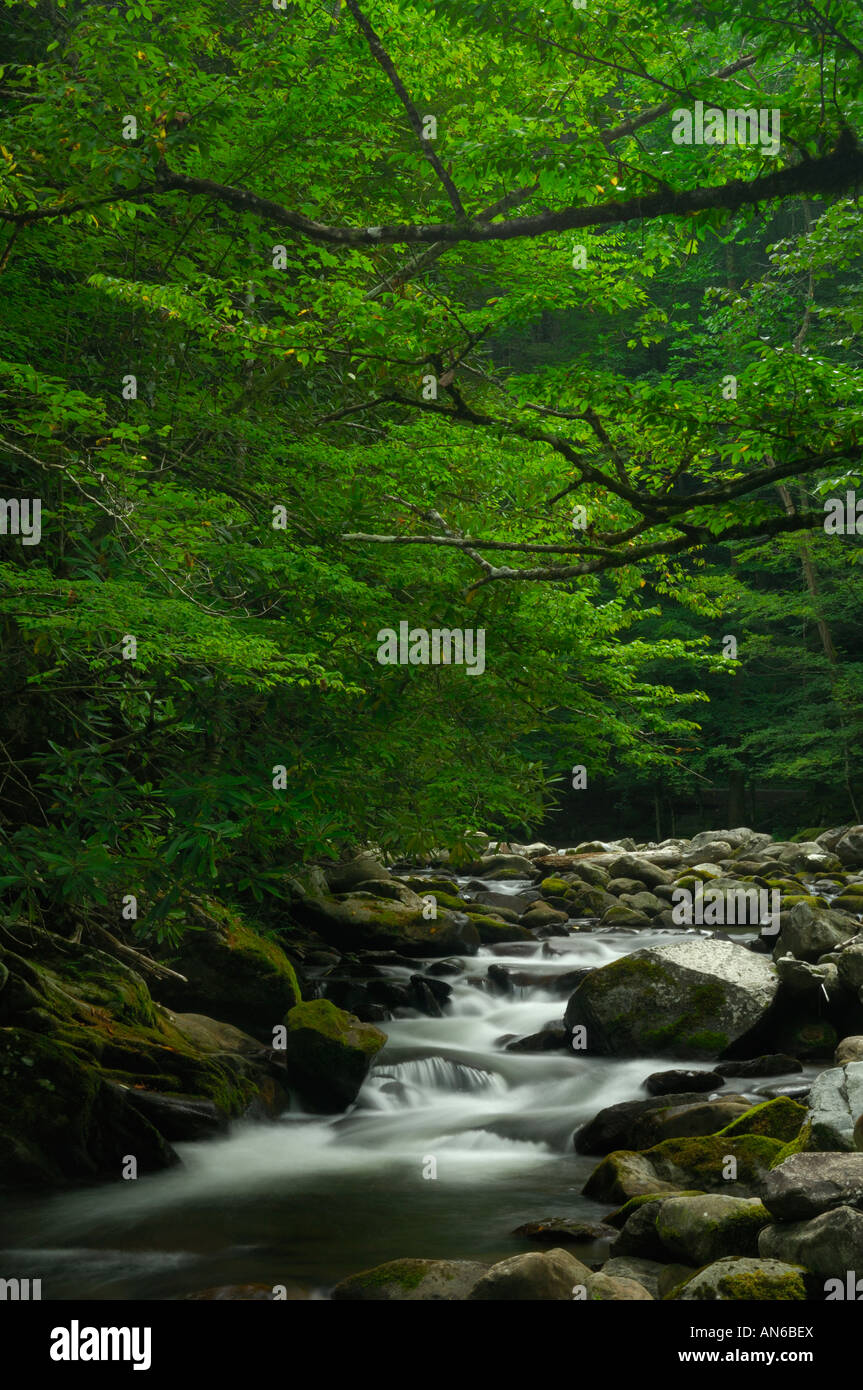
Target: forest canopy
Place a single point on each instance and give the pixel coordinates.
(479, 316)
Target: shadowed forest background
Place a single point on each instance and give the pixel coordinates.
(213, 344)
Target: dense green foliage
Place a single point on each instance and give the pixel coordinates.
(220, 320)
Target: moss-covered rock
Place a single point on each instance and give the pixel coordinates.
(369, 923)
(62, 1122)
(699, 1230)
(745, 1280)
(232, 971)
(102, 1052)
(703, 1163)
(411, 1281)
(328, 1053)
(691, 999)
(780, 1119)
(555, 887)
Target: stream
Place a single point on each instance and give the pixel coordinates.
(307, 1200)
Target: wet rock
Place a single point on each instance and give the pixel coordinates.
(849, 847)
(177, 1118)
(613, 1127)
(341, 878)
(638, 1236)
(231, 971)
(642, 870)
(702, 1163)
(739, 1279)
(535, 1276)
(828, 1245)
(663, 1083)
(688, 1121)
(773, 1064)
(541, 915)
(411, 1281)
(559, 1229)
(451, 966)
(835, 1101)
(692, 999)
(620, 916)
(497, 865)
(552, 1038)
(809, 932)
(807, 1184)
(328, 1053)
(363, 923)
(850, 1050)
(700, 1230)
(604, 1287)
(62, 1122)
(658, 1278)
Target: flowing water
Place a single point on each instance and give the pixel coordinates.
(309, 1199)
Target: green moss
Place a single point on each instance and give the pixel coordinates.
(554, 887)
(800, 1144)
(405, 1274)
(777, 1119)
(619, 1217)
(322, 1016)
(757, 1284)
(491, 930)
(702, 1159)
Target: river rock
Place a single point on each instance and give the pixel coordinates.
(700, 1230)
(691, 999)
(736, 1279)
(773, 1064)
(835, 1101)
(328, 1053)
(230, 971)
(663, 1083)
(658, 1278)
(604, 1287)
(612, 1127)
(850, 1050)
(367, 923)
(701, 1163)
(849, 848)
(638, 1236)
(688, 1121)
(341, 878)
(411, 1281)
(552, 1038)
(535, 1276)
(501, 865)
(807, 1184)
(809, 932)
(541, 915)
(562, 1228)
(643, 871)
(829, 1245)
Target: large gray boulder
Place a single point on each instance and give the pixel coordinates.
(809, 932)
(642, 870)
(699, 1230)
(614, 1126)
(807, 1184)
(835, 1102)
(850, 847)
(692, 999)
(548, 1275)
(828, 1245)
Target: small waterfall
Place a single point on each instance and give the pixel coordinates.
(440, 1074)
